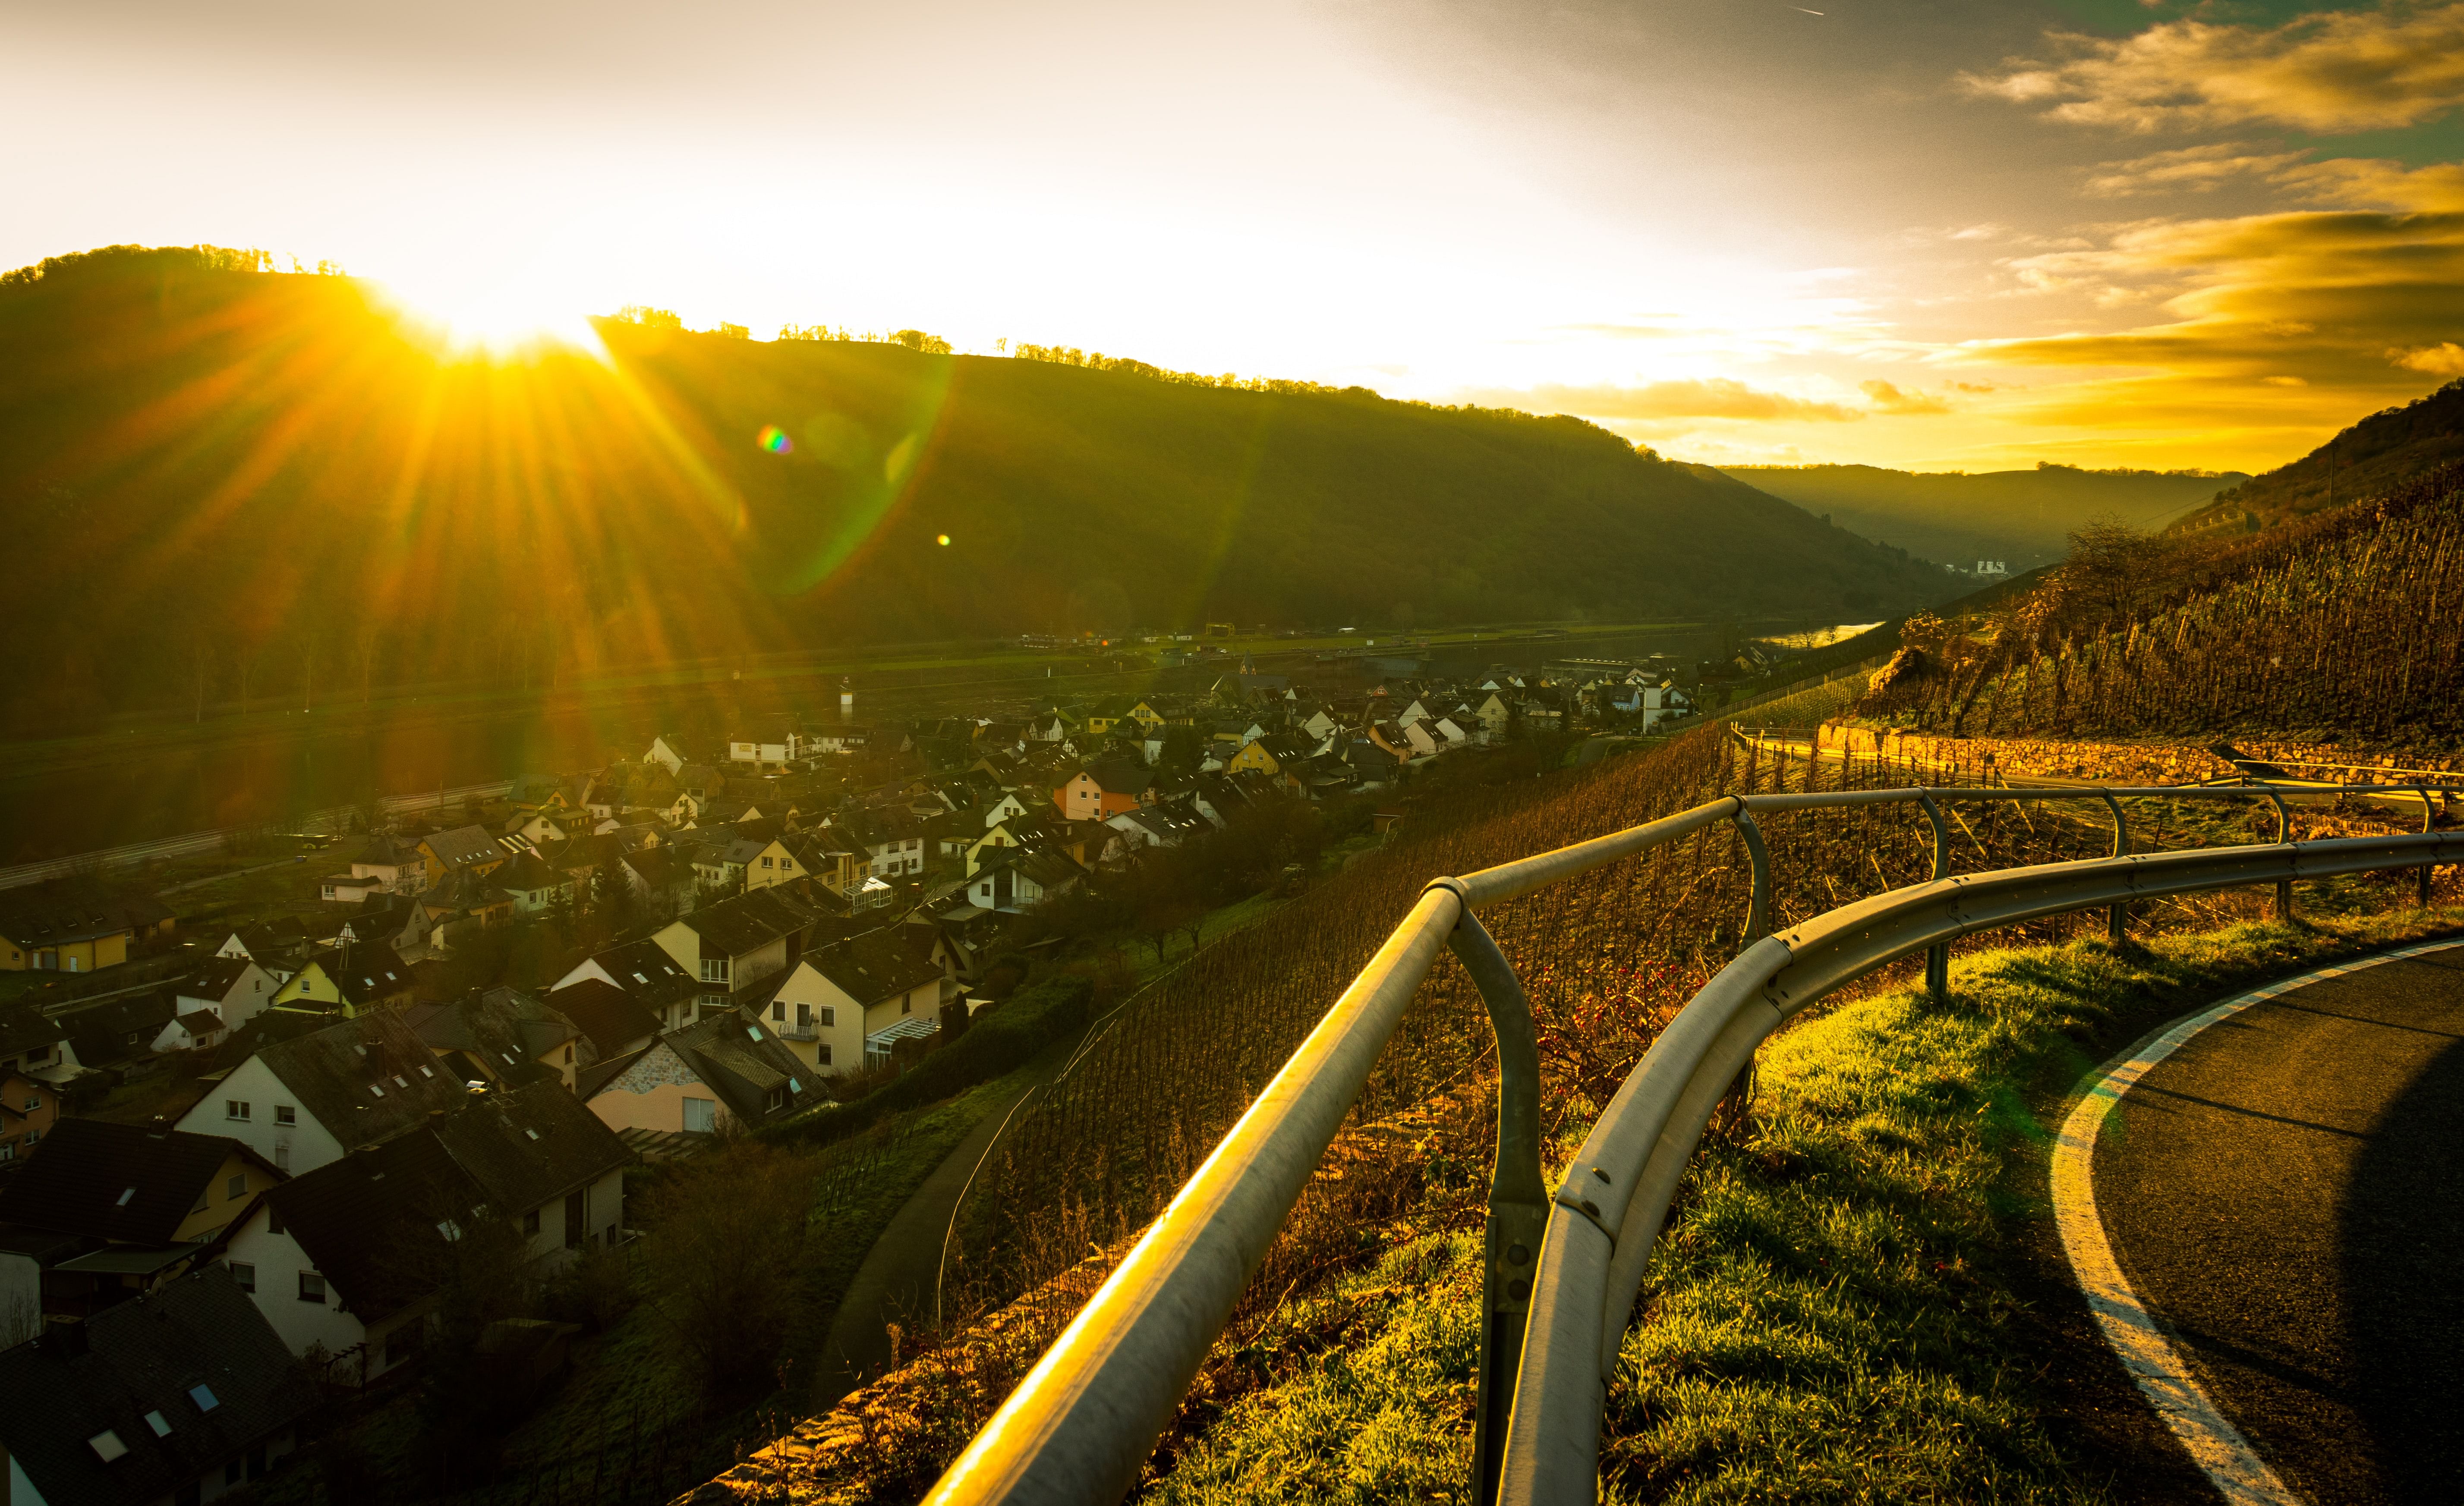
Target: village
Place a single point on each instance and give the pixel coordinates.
(295, 1129)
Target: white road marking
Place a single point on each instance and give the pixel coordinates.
(2140, 1338)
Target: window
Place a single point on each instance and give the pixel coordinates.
(235, 1108)
(803, 1016)
(701, 1116)
(905, 1004)
(203, 1396)
(531, 1222)
(778, 1099)
(243, 1275)
(779, 1009)
(714, 970)
(311, 1288)
(160, 1424)
(285, 1114)
(766, 860)
(282, 1158)
(568, 1056)
(826, 1053)
(107, 1446)
(238, 1186)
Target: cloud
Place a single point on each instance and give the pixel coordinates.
(1713, 397)
(2337, 71)
(1888, 398)
(2445, 359)
(2191, 169)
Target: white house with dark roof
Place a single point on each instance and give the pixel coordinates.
(647, 974)
(303, 1103)
(234, 988)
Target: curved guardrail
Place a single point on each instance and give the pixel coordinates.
(1562, 1268)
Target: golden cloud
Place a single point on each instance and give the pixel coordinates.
(1888, 398)
(2394, 66)
(2446, 359)
(2191, 169)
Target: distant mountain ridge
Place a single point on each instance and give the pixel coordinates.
(2021, 519)
(2382, 451)
(276, 465)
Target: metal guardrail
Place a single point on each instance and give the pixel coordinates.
(1562, 1268)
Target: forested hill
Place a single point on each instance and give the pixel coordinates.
(2020, 517)
(211, 474)
(2381, 453)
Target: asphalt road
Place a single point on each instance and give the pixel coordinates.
(2287, 1193)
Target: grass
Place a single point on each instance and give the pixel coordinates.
(1832, 1316)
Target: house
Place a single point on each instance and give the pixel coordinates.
(175, 1398)
(645, 973)
(1015, 879)
(234, 988)
(343, 888)
(140, 1202)
(1267, 755)
(728, 1070)
(500, 1035)
(303, 1103)
(74, 925)
(533, 887)
(346, 1260)
(191, 1029)
(1105, 787)
(540, 828)
(1165, 825)
(669, 751)
(660, 877)
(29, 1108)
(765, 750)
(120, 1034)
(37, 1045)
(791, 856)
(886, 844)
(276, 945)
(1495, 714)
(734, 945)
(465, 849)
(350, 980)
(611, 1022)
(838, 996)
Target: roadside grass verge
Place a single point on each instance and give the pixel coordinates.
(1832, 1314)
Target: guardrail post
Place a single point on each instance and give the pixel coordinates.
(1758, 900)
(2428, 825)
(2284, 888)
(1938, 958)
(1518, 1199)
(2116, 925)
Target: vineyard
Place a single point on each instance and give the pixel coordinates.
(2345, 624)
(1607, 958)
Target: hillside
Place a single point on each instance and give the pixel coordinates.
(2337, 625)
(2378, 454)
(2020, 517)
(282, 469)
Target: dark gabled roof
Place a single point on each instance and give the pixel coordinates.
(527, 872)
(738, 1057)
(525, 1147)
(1119, 774)
(747, 922)
(877, 965)
(465, 845)
(369, 1221)
(644, 970)
(66, 910)
(214, 977)
(505, 1026)
(147, 1355)
(124, 1183)
(611, 1017)
(587, 1082)
(102, 1032)
(365, 970)
(24, 1028)
(331, 1070)
(659, 867)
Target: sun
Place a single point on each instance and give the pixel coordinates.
(493, 313)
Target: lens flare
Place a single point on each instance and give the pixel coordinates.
(943, 541)
(774, 439)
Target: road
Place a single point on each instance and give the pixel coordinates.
(2286, 1192)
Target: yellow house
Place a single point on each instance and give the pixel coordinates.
(71, 926)
(803, 855)
(1255, 756)
(347, 981)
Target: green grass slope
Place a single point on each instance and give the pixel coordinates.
(282, 467)
(2020, 517)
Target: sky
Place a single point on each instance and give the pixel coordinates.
(1925, 234)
